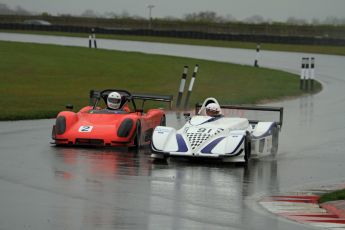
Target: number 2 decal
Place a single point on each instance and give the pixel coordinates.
(85, 129)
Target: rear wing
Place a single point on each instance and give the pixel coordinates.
(253, 108)
(96, 95)
(153, 97)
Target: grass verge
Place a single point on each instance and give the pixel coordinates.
(336, 195)
(38, 80)
(334, 50)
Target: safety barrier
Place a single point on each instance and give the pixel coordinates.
(180, 34)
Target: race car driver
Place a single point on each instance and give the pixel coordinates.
(213, 110)
(117, 102)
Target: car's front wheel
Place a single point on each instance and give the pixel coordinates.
(137, 138)
(275, 138)
(247, 148)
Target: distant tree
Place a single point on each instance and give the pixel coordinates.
(89, 14)
(315, 21)
(229, 18)
(125, 14)
(255, 19)
(296, 21)
(334, 21)
(45, 14)
(65, 15)
(204, 16)
(171, 18)
(21, 11)
(137, 17)
(5, 10)
(110, 15)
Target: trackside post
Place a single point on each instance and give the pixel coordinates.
(92, 39)
(182, 85)
(256, 62)
(191, 85)
(312, 73)
(302, 73)
(306, 74)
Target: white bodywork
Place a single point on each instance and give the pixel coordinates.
(221, 137)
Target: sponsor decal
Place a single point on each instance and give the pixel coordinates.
(162, 130)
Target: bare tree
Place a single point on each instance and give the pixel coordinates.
(204, 16)
(255, 19)
(89, 14)
(21, 11)
(296, 21)
(5, 10)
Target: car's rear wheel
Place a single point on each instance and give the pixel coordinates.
(137, 138)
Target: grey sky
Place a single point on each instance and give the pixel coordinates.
(278, 10)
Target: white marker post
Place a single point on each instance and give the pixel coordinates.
(302, 74)
(94, 40)
(191, 85)
(306, 74)
(182, 84)
(256, 62)
(312, 73)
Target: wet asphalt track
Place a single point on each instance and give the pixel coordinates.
(44, 187)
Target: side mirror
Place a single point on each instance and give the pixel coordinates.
(69, 106)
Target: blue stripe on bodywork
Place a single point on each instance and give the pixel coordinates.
(182, 147)
(210, 146)
(212, 119)
(239, 144)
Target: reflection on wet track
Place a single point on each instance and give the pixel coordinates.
(47, 187)
(156, 194)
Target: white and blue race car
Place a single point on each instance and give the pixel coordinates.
(231, 139)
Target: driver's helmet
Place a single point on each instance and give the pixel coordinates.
(114, 100)
(213, 109)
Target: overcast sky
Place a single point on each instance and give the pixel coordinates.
(277, 10)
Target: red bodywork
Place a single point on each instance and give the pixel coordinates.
(93, 127)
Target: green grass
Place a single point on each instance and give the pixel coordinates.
(335, 50)
(336, 195)
(37, 81)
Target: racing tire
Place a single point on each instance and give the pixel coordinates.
(137, 138)
(163, 121)
(247, 148)
(159, 160)
(275, 139)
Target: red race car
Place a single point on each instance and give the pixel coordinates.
(119, 124)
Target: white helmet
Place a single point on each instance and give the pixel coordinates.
(214, 108)
(114, 100)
